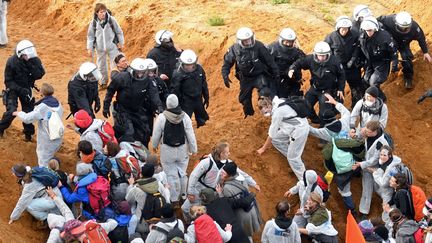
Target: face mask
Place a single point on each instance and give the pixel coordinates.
(368, 103)
(381, 161)
(267, 114)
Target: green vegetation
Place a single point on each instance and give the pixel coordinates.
(216, 21)
(275, 2)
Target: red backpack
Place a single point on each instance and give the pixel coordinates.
(129, 166)
(418, 236)
(95, 233)
(206, 230)
(106, 132)
(418, 201)
(99, 194)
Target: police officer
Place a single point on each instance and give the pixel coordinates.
(21, 71)
(153, 75)
(165, 54)
(285, 52)
(404, 29)
(345, 46)
(379, 50)
(133, 91)
(83, 90)
(327, 76)
(359, 13)
(189, 83)
(255, 68)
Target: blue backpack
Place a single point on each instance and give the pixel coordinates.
(101, 165)
(45, 176)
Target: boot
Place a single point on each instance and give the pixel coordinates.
(349, 203)
(27, 138)
(408, 83)
(1, 133)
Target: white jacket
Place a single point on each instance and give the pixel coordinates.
(272, 233)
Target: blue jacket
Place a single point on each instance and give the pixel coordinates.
(80, 194)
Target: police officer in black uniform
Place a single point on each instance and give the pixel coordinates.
(285, 53)
(255, 68)
(165, 54)
(345, 46)
(135, 95)
(21, 71)
(359, 13)
(189, 83)
(404, 29)
(327, 76)
(83, 90)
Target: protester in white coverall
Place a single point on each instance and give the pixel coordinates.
(106, 37)
(3, 23)
(43, 109)
(288, 133)
(174, 158)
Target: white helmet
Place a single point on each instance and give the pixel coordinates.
(243, 34)
(151, 66)
(287, 34)
(138, 67)
(361, 11)
(188, 57)
(343, 22)
(370, 23)
(27, 48)
(163, 35)
(89, 72)
(321, 48)
(403, 22)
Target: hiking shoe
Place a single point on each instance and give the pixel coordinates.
(103, 86)
(408, 83)
(1, 133)
(28, 138)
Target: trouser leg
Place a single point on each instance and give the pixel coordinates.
(366, 199)
(103, 65)
(312, 98)
(11, 106)
(407, 66)
(245, 98)
(27, 106)
(295, 151)
(3, 23)
(41, 207)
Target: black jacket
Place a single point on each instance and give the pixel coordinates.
(328, 75)
(161, 87)
(344, 47)
(190, 85)
(402, 198)
(379, 49)
(82, 94)
(403, 40)
(21, 74)
(133, 95)
(284, 57)
(166, 59)
(249, 62)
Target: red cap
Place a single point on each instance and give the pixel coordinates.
(82, 119)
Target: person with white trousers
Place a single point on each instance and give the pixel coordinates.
(3, 23)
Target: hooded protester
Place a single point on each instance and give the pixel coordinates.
(21, 72)
(173, 130)
(159, 232)
(402, 196)
(281, 229)
(100, 163)
(165, 54)
(426, 223)
(33, 197)
(104, 36)
(367, 230)
(403, 228)
(44, 108)
(370, 108)
(288, 132)
(88, 127)
(233, 188)
(159, 174)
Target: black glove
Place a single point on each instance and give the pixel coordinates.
(227, 82)
(26, 93)
(423, 97)
(106, 113)
(159, 110)
(395, 67)
(97, 107)
(206, 103)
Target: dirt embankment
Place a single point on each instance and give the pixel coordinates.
(58, 28)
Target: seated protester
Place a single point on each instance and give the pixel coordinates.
(101, 165)
(54, 164)
(159, 174)
(319, 226)
(234, 188)
(126, 222)
(33, 196)
(281, 229)
(381, 230)
(367, 229)
(118, 179)
(147, 196)
(221, 209)
(166, 226)
(88, 127)
(402, 197)
(304, 188)
(370, 108)
(204, 230)
(84, 177)
(47, 144)
(404, 229)
(426, 223)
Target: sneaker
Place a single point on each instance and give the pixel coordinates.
(28, 138)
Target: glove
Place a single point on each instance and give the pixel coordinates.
(206, 103)
(106, 113)
(350, 64)
(227, 82)
(159, 110)
(97, 107)
(395, 67)
(26, 93)
(423, 97)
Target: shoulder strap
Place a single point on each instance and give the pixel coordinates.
(163, 231)
(200, 179)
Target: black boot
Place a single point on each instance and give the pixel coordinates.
(349, 203)
(28, 138)
(408, 83)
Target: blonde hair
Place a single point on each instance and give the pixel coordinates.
(53, 164)
(218, 149)
(196, 211)
(47, 89)
(264, 102)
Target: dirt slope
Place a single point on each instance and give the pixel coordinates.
(58, 28)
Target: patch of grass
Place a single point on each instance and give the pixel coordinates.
(276, 2)
(216, 21)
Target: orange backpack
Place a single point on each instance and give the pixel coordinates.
(418, 200)
(95, 233)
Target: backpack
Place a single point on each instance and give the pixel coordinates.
(45, 176)
(174, 235)
(94, 22)
(55, 127)
(389, 139)
(243, 194)
(128, 165)
(120, 233)
(401, 168)
(343, 160)
(106, 133)
(324, 185)
(99, 192)
(200, 179)
(101, 164)
(206, 230)
(95, 233)
(298, 104)
(174, 134)
(418, 236)
(418, 201)
(152, 207)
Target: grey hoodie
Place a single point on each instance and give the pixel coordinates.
(405, 233)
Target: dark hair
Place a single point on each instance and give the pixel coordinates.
(118, 57)
(20, 171)
(282, 208)
(167, 211)
(85, 147)
(401, 181)
(112, 149)
(152, 159)
(395, 216)
(376, 221)
(99, 7)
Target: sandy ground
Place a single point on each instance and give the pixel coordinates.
(58, 28)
